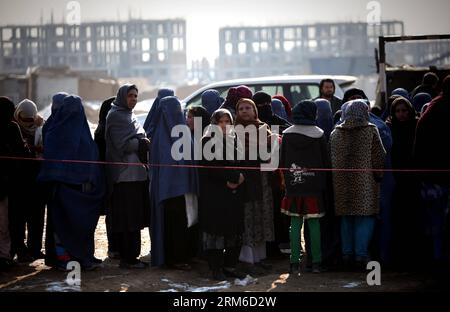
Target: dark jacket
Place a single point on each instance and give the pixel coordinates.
(424, 89)
(276, 120)
(99, 135)
(12, 144)
(301, 151)
(221, 210)
(403, 136)
(431, 144)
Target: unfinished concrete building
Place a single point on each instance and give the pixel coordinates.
(155, 49)
(331, 48)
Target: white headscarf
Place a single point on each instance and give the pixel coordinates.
(26, 109)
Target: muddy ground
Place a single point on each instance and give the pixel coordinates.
(109, 278)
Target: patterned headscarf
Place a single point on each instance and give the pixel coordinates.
(357, 113)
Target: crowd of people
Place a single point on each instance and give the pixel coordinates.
(365, 183)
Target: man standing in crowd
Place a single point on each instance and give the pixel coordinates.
(327, 89)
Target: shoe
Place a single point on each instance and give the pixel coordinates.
(24, 258)
(361, 264)
(62, 266)
(6, 264)
(38, 255)
(181, 266)
(147, 258)
(255, 270)
(233, 272)
(97, 260)
(347, 263)
(294, 268)
(113, 255)
(92, 267)
(137, 265)
(274, 252)
(218, 275)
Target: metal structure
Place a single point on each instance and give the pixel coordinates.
(421, 53)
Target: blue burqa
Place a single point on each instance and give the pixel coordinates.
(167, 182)
(149, 124)
(211, 100)
(324, 116)
(278, 109)
(419, 100)
(57, 101)
(78, 188)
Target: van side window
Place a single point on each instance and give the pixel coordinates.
(313, 91)
(272, 90)
(196, 100)
(303, 92)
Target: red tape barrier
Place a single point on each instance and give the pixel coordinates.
(221, 167)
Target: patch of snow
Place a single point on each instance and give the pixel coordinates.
(248, 280)
(351, 285)
(61, 287)
(185, 287)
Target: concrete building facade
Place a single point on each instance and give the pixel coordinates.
(155, 49)
(326, 48)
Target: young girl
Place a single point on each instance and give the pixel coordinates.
(221, 212)
(304, 145)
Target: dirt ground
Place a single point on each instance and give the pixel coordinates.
(109, 278)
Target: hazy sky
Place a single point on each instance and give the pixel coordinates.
(204, 17)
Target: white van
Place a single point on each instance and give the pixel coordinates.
(294, 88)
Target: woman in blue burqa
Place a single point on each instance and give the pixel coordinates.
(150, 121)
(77, 188)
(173, 191)
(57, 101)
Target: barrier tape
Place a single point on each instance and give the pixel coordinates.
(222, 167)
